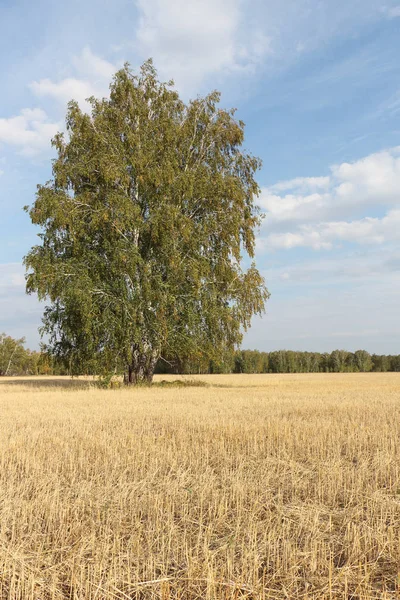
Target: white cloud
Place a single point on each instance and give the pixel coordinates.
(293, 207)
(294, 240)
(30, 131)
(94, 77)
(316, 211)
(373, 180)
(324, 235)
(190, 40)
(65, 90)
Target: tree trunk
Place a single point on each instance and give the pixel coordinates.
(11, 357)
(141, 369)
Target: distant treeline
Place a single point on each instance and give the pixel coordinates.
(286, 361)
(15, 359)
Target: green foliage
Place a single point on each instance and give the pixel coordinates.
(107, 381)
(15, 359)
(363, 360)
(12, 355)
(341, 361)
(144, 226)
(382, 363)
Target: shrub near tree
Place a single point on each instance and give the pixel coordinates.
(144, 224)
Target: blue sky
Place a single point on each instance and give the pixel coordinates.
(317, 83)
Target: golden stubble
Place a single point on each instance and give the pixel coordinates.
(258, 487)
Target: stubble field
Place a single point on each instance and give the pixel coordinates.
(257, 487)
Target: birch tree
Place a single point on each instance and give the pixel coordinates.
(144, 226)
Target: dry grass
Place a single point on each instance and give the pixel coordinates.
(257, 487)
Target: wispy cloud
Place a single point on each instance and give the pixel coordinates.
(196, 39)
(392, 11)
(361, 265)
(317, 307)
(302, 184)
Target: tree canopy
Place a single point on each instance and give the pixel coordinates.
(146, 223)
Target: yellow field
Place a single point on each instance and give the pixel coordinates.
(261, 486)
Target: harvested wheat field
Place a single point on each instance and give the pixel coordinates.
(257, 487)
